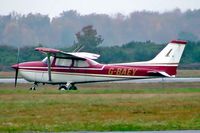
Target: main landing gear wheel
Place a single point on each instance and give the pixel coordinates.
(67, 87)
(62, 88)
(73, 87)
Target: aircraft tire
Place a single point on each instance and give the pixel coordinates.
(73, 87)
(32, 88)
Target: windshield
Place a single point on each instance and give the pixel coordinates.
(45, 59)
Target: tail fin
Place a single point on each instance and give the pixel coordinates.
(166, 62)
(171, 54)
(169, 58)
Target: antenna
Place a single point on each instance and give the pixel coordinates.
(78, 48)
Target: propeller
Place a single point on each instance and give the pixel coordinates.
(16, 67)
(16, 75)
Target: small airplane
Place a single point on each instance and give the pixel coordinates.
(68, 69)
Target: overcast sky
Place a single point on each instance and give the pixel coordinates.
(55, 7)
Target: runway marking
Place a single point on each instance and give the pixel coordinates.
(155, 80)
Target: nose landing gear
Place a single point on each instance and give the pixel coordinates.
(35, 84)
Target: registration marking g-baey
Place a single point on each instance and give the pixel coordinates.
(122, 71)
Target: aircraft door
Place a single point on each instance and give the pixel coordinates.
(80, 66)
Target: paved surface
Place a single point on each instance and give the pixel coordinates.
(182, 131)
(157, 80)
(12, 80)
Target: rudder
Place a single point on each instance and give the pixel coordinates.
(171, 54)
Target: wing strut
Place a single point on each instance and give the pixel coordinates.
(49, 66)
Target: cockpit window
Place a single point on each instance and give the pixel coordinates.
(63, 62)
(68, 62)
(80, 63)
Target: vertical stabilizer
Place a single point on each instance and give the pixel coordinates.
(171, 54)
(165, 63)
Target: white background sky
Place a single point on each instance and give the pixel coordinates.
(55, 7)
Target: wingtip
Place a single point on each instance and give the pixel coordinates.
(50, 50)
(179, 41)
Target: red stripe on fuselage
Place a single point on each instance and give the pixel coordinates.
(108, 70)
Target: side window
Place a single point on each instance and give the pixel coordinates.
(63, 62)
(80, 63)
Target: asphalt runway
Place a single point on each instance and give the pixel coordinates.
(12, 80)
(159, 80)
(155, 80)
(181, 131)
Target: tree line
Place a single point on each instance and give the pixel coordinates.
(132, 51)
(32, 29)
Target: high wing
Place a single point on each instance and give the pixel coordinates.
(59, 53)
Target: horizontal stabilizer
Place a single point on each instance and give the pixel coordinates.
(159, 73)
